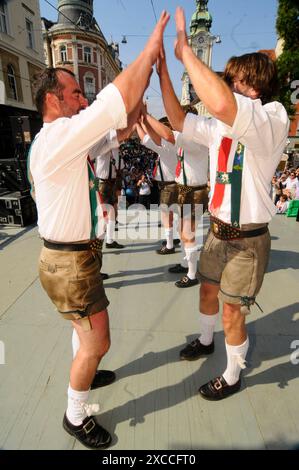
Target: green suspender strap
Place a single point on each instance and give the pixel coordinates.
(95, 198)
(236, 185)
(160, 168)
(181, 164)
(235, 180)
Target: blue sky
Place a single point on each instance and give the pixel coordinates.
(244, 26)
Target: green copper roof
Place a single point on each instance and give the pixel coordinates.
(201, 19)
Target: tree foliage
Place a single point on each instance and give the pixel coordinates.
(287, 26)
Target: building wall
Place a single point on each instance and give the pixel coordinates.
(16, 51)
(102, 68)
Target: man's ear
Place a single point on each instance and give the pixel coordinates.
(51, 101)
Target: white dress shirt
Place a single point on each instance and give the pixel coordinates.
(58, 164)
(263, 130)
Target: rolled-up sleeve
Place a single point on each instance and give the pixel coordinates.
(150, 144)
(261, 128)
(117, 110)
(242, 121)
(198, 129)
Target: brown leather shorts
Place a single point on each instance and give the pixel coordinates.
(107, 189)
(236, 266)
(73, 282)
(168, 193)
(190, 196)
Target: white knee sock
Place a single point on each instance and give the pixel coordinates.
(184, 262)
(110, 231)
(207, 327)
(75, 342)
(235, 361)
(192, 257)
(169, 238)
(76, 412)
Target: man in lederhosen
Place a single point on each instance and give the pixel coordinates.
(190, 166)
(164, 174)
(246, 138)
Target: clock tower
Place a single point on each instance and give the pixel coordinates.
(201, 41)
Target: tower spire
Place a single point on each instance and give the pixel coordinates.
(202, 19)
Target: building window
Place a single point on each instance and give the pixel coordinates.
(87, 55)
(63, 53)
(30, 35)
(89, 88)
(3, 18)
(12, 84)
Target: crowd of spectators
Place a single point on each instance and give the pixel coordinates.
(285, 188)
(139, 163)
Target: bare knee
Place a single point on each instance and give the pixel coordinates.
(209, 303)
(232, 319)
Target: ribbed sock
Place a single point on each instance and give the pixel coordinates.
(75, 411)
(207, 327)
(235, 361)
(110, 231)
(169, 238)
(184, 262)
(192, 258)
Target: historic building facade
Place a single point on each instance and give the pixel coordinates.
(201, 41)
(77, 42)
(21, 56)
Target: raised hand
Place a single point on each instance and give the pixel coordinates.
(182, 39)
(161, 61)
(155, 42)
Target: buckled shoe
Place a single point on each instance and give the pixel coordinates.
(176, 242)
(114, 244)
(178, 268)
(102, 378)
(195, 350)
(165, 251)
(218, 388)
(186, 282)
(89, 433)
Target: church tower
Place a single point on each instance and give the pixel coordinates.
(201, 41)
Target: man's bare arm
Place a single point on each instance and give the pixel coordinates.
(212, 90)
(172, 105)
(162, 131)
(141, 133)
(133, 81)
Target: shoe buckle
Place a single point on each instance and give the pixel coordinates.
(89, 426)
(217, 384)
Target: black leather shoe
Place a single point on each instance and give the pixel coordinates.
(178, 268)
(186, 282)
(114, 245)
(89, 433)
(195, 350)
(104, 276)
(102, 378)
(165, 251)
(217, 389)
(176, 242)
